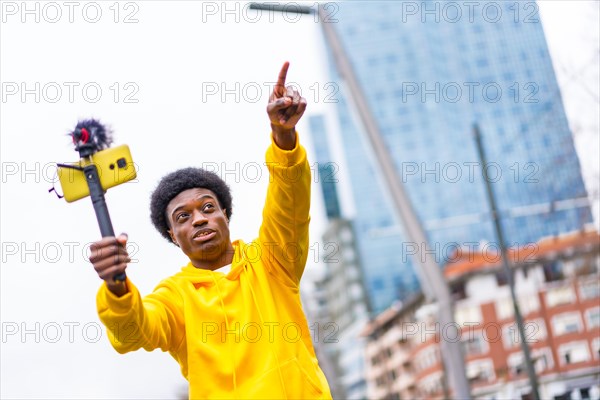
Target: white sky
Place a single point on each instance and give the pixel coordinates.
(170, 54)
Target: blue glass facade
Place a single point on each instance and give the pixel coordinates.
(429, 71)
(325, 167)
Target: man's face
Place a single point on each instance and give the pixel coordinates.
(199, 226)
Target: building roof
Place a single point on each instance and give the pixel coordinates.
(388, 315)
(465, 262)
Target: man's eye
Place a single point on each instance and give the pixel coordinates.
(181, 217)
(209, 207)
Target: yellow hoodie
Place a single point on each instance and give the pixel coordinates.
(242, 335)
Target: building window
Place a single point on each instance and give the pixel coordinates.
(375, 361)
(475, 344)
(346, 236)
(535, 331)
(467, 315)
(388, 353)
(565, 323)
(592, 318)
(542, 359)
(575, 266)
(427, 358)
(501, 278)
(480, 371)
(573, 352)
(589, 290)
(407, 366)
(504, 308)
(529, 304)
(561, 295)
(349, 255)
(552, 269)
(510, 336)
(431, 385)
(516, 364)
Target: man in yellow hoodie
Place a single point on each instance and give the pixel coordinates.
(237, 334)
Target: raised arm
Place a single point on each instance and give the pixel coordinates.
(284, 230)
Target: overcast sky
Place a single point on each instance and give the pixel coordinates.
(157, 73)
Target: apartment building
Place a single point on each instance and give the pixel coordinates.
(558, 289)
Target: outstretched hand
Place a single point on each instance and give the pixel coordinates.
(285, 109)
(109, 257)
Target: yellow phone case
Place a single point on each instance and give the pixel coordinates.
(115, 166)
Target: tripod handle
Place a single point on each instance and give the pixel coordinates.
(100, 207)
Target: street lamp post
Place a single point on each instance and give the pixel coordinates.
(505, 265)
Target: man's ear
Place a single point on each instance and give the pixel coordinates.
(173, 237)
(225, 213)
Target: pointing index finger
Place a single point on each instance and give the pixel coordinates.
(280, 85)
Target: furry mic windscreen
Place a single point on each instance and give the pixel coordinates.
(100, 135)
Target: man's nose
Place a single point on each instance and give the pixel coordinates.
(199, 218)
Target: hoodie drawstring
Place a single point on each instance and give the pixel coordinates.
(227, 326)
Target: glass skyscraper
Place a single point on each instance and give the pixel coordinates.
(344, 304)
(430, 71)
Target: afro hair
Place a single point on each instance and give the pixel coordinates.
(176, 182)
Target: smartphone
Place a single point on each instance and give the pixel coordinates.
(114, 165)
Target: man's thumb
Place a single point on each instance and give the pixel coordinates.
(279, 104)
(122, 238)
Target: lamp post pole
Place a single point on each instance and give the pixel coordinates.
(505, 265)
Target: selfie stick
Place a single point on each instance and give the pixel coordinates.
(89, 137)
